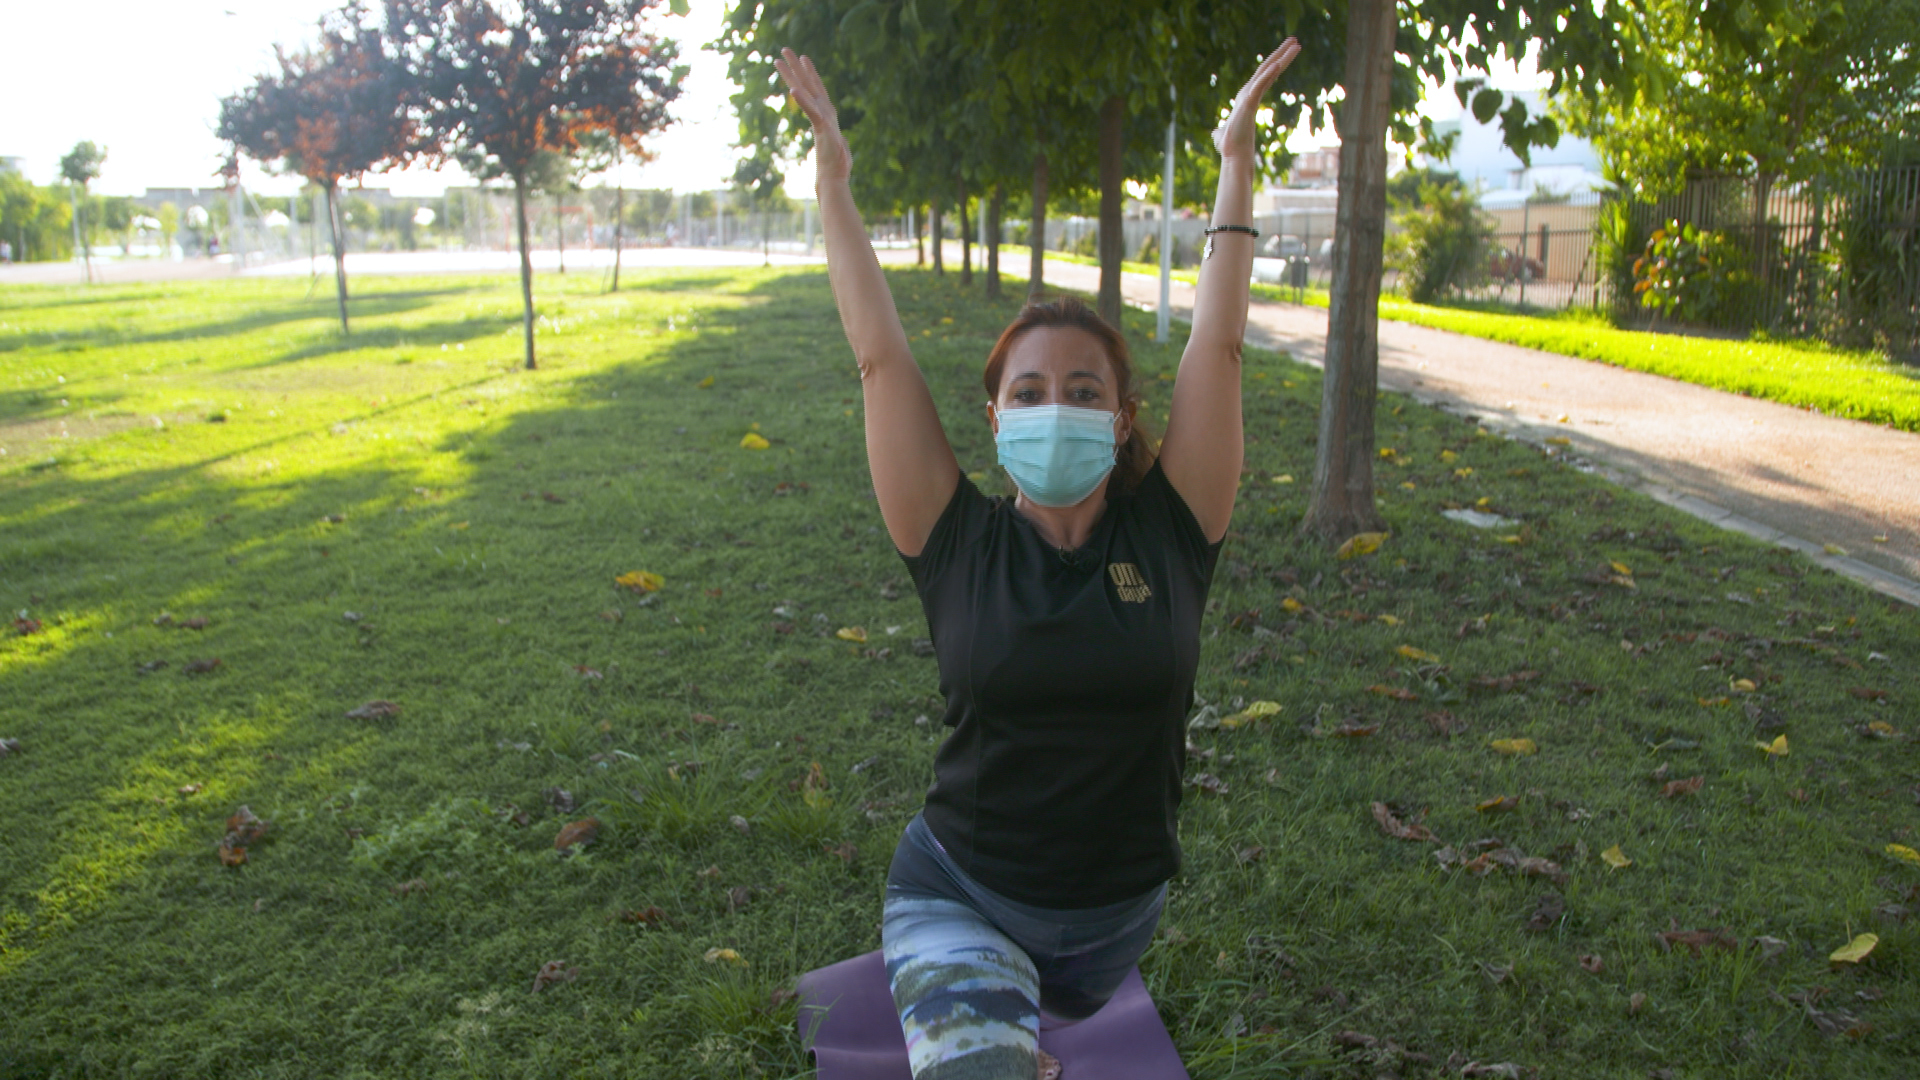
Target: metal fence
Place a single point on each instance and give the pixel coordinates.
(1836, 257)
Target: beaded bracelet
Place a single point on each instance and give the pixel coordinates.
(1255, 233)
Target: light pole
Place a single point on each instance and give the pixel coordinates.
(1162, 324)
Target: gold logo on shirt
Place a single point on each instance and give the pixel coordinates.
(1127, 580)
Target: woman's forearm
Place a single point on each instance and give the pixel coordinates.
(859, 288)
(1220, 309)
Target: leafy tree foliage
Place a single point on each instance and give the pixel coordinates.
(332, 113)
(1819, 87)
(35, 220)
(80, 167)
(498, 85)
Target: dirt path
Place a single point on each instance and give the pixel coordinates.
(1772, 471)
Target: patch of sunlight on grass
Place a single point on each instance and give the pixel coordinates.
(110, 836)
(53, 641)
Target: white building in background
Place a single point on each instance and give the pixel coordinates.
(1481, 157)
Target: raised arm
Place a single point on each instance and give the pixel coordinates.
(914, 470)
(1203, 449)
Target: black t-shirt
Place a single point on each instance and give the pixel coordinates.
(1068, 677)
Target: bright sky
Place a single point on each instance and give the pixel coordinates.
(154, 72)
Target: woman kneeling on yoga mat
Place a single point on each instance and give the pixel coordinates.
(1066, 621)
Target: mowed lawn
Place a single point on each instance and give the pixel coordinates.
(209, 472)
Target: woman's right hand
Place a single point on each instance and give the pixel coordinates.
(832, 160)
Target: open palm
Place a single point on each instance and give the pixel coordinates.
(832, 158)
(1234, 136)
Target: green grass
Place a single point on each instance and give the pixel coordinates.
(1858, 384)
(392, 922)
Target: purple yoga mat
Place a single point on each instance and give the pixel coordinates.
(847, 1017)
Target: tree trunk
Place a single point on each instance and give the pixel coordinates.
(560, 232)
(939, 239)
(1343, 499)
(526, 265)
(1113, 119)
(1037, 229)
(994, 209)
(339, 253)
(966, 239)
(619, 224)
(919, 240)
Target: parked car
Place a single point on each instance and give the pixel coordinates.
(1509, 265)
(1283, 246)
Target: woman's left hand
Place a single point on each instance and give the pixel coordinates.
(1234, 137)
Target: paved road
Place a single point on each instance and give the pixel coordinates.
(1779, 473)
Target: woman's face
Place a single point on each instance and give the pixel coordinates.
(1057, 365)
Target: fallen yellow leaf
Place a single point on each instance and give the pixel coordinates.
(1290, 604)
(1904, 853)
(1522, 747)
(1833, 549)
(640, 581)
(1510, 539)
(1741, 686)
(852, 633)
(1283, 478)
(716, 956)
(753, 440)
(1252, 712)
(1856, 950)
(1776, 748)
(1365, 543)
(1882, 729)
(1880, 538)
(706, 383)
(1560, 440)
(1621, 568)
(1483, 501)
(1390, 620)
(1463, 471)
(1615, 858)
(1386, 451)
(1412, 653)
(458, 525)
(1498, 802)
(1448, 456)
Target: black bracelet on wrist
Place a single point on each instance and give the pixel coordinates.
(1250, 231)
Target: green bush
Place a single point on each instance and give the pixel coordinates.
(1088, 244)
(1149, 249)
(1443, 243)
(1692, 274)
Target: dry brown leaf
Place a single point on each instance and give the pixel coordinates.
(1866, 693)
(646, 916)
(1249, 854)
(373, 710)
(844, 852)
(1394, 692)
(1499, 804)
(582, 832)
(1676, 788)
(1399, 830)
(1547, 911)
(1695, 940)
(1209, 783)
(552, 973)
(201, 667)
(1592, 963)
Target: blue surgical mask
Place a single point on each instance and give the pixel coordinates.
(1057, 454)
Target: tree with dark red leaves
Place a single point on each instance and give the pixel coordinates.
(498, 84)
(332, 113)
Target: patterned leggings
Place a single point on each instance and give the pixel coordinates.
(971, 970)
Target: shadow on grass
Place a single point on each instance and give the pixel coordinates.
(475, 588)
(367, 305)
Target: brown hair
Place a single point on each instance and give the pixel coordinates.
(1136, 456)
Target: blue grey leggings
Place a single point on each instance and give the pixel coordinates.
(970, 969)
